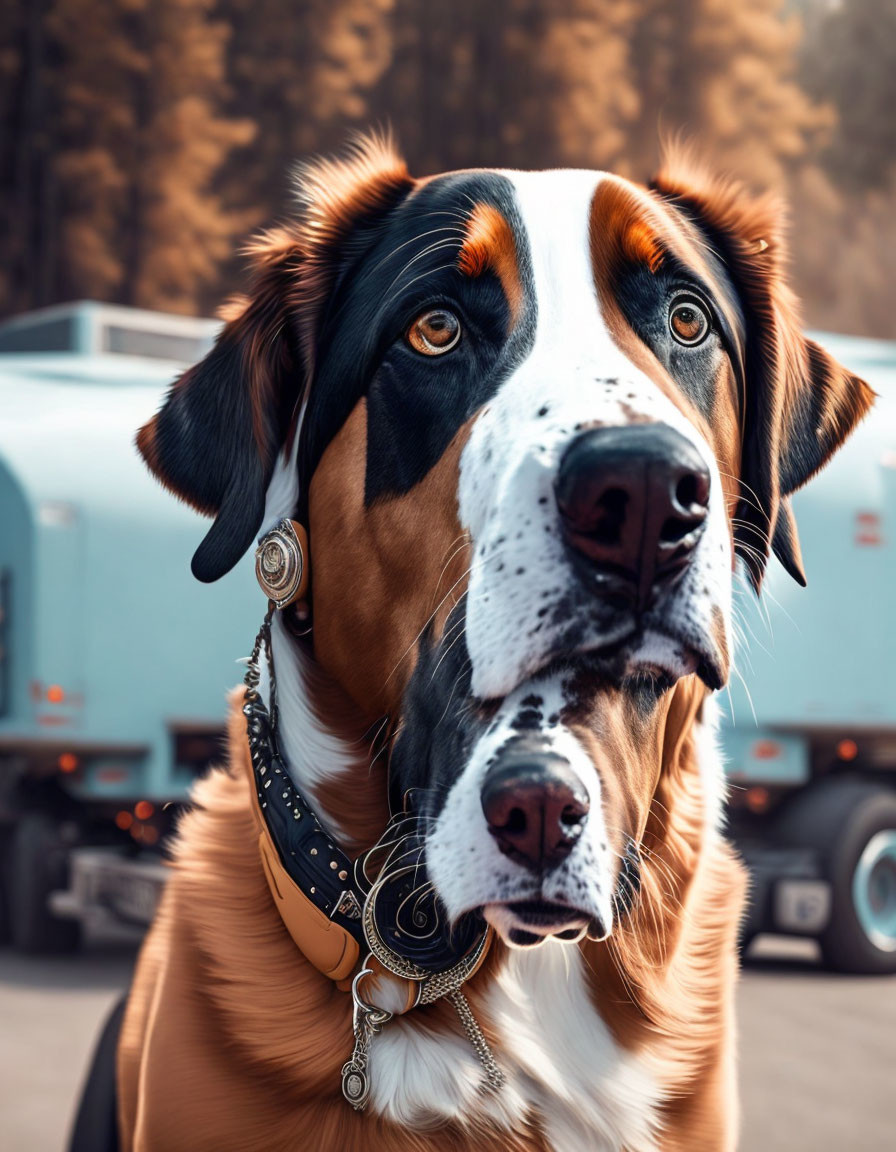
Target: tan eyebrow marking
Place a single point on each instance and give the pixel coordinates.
(489, 245)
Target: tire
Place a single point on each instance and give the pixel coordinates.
(4, 886)
(36, 866)
(852, 825)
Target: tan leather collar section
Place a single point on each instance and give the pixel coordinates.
(322, 942)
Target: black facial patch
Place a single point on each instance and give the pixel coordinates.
(440, 726)
(393, 271)
(645, 298)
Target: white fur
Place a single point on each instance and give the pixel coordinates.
(282, 495)
(312, 752)
(561, 1063)
(711, 765)
(464, 862)
(510, 461)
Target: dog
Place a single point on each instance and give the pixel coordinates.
(524, 424)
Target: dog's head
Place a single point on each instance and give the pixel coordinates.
(529, 420)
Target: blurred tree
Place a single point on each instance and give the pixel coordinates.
(849, 58)
(517, 83)
(116, 134)
(726, 76)
(302, 71)
(142, 137)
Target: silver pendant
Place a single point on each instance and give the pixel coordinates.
(281, 566)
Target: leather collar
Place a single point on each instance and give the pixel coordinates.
(329, 906)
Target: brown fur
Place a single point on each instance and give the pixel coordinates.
(381, 572)
(800, 404)
(489, 245)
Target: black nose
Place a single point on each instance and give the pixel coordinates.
(633, 501)
(535, 807)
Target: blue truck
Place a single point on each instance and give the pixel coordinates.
(115, 663)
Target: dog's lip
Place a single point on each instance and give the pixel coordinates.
(545, 915)
(616, 662)
(536, 919)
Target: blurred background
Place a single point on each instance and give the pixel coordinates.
(141, 142)
(142, 139)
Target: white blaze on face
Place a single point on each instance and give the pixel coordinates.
(525, 604)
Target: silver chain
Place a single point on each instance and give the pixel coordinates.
(494, 1077)
(368, 1021)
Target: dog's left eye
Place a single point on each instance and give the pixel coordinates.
(688, 321)
(435, 332)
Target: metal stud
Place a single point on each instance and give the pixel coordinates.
(313, 851)
(343, 875)
(333, 865)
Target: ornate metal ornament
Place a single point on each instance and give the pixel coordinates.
(280, 563)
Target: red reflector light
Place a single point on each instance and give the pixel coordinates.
(766, 750)
(55, 694)
(757, 799)
(143, 809)
(124, 820)
(112, 775)
(67, 762)
(847, 750)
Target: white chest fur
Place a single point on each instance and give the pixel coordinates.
(560, 1060)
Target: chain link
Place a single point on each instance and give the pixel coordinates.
(494, 1077)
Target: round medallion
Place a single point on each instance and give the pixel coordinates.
(355, 1087)
(280, 563)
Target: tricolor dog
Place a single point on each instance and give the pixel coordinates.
(510, 431)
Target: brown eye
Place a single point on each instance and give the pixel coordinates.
(435, 332)
(688, 322)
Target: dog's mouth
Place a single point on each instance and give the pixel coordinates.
(528, 923)
(661, 656)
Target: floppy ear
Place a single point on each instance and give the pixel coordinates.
(215, 440)
(799, 403)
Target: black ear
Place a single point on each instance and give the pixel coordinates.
(799, 404)
(786, 543)
(216, 438)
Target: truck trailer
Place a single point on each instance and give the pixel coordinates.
(115, 663)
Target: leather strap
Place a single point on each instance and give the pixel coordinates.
(325, 944)
(311, 880)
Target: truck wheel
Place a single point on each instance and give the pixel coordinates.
(4, 888)
(852, 823)
(37, 866)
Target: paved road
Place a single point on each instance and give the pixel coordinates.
(818, 1052)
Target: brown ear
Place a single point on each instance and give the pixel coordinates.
(799, 403)
(215, 440)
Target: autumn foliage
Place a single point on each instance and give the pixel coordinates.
(143, 140)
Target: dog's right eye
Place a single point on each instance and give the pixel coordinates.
(435, 332)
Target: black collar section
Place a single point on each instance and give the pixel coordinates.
(317, 865)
